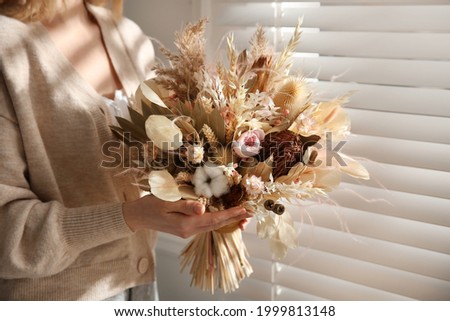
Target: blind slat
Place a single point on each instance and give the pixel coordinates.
(413, 127)
(386, 284)
(378, 45)
(421, 101)
(252, 289)
(414, 73)
(287, 294)
(348, 2)
(381, 227)
(330, 287)
(422, 208)
(343, 18)
(382, 254)
(398, 45)
(400, 152)
(316, 262)
(406, 179)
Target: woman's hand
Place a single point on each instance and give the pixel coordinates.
(182, 218)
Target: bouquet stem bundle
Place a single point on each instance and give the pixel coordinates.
(217, 260)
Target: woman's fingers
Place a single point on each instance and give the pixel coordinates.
(243, 223)
(187, 225)
(216, 220)
(183, 218)
(186, 207)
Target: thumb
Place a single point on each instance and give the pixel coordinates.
(188, 207)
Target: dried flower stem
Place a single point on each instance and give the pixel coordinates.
(259, 43)
(229, 134)
(217, 260)
(231, 77)
(283, 64)
(179, 76)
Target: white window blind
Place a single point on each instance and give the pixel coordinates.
(389, 238)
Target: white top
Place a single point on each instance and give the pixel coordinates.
(118, 107)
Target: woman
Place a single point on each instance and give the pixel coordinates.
(69, 228)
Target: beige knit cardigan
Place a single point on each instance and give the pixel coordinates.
(62, 233)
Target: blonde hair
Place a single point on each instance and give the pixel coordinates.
(37, 10)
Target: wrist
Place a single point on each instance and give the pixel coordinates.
(130, 214)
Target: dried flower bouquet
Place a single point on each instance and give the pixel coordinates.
(242, 133)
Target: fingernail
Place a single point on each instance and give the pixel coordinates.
(242, 211)
(199, 209)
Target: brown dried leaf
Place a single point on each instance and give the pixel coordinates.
(188, 130)
(242, 63)
(137, 118)
(134, 130)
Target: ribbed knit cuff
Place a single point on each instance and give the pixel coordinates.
(87, 227)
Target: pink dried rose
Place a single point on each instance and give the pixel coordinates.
(249, 143)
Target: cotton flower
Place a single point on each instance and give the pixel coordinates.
(209, 180)
(195, 154)
(254, 185)
(249, 143)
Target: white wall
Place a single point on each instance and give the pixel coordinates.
(161, 18)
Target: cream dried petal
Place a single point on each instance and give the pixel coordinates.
(278, 249)
(286, 231)
(327, 178)
(163, 132)
(150, 91)
(354, 168)
(187, 192)
(164, 186)
(266, 228)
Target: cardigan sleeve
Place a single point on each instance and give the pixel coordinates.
(42, 238)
